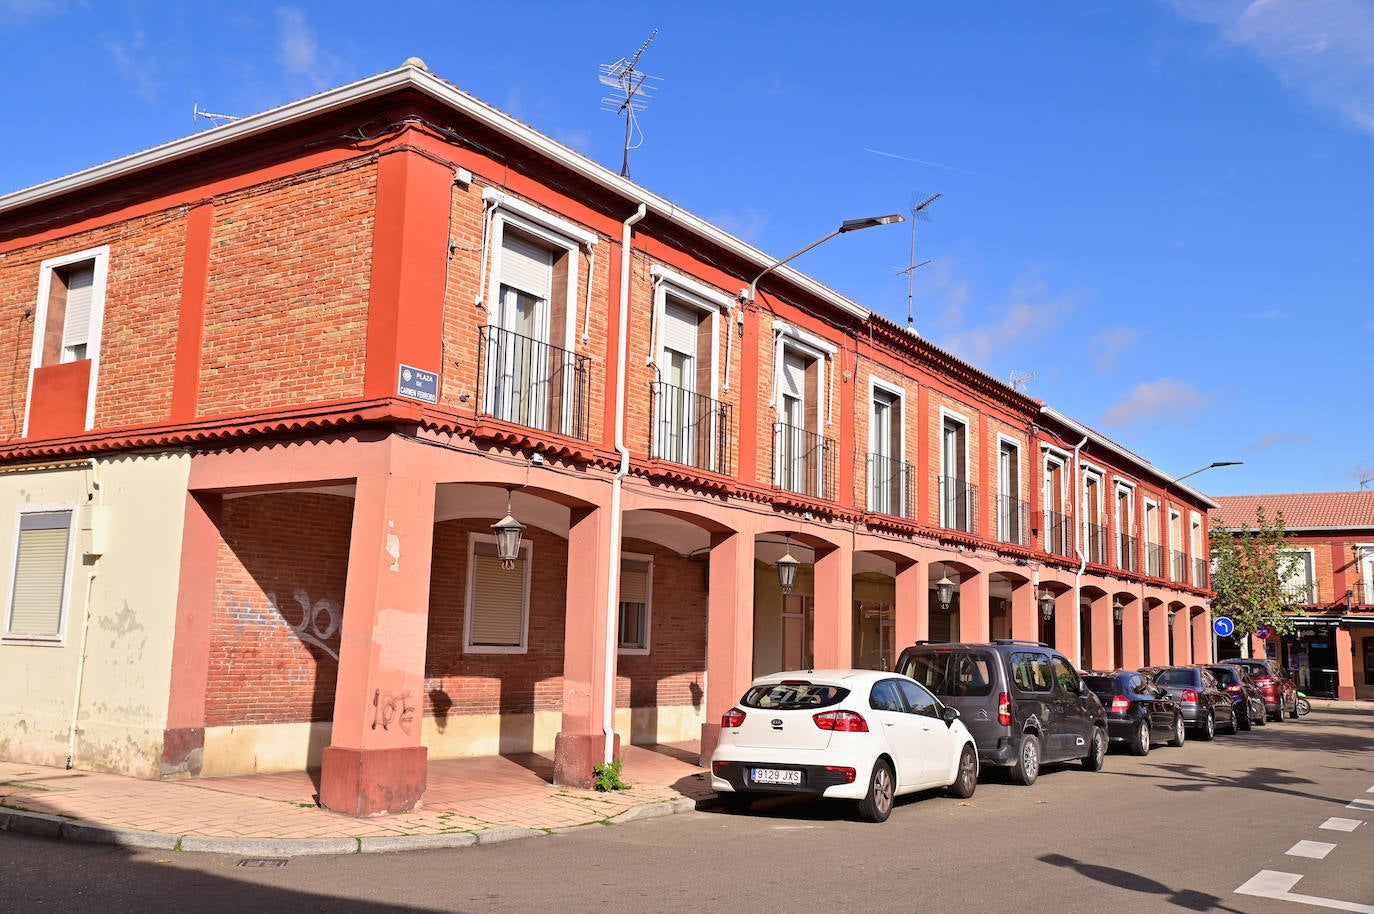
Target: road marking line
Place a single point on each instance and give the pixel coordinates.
(1273, 884)
(1360, 804)
(1335, 824)
(1370, 790)
(1317, 850)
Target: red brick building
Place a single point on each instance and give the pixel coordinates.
(1332, 535)
(275, 383)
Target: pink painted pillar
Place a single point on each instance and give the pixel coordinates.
(1025, 613)
(1132, 636)
(974, 624)
(912, 623)
(834, 609)
(1202, 637)
(1101, 653)
(1345, 664)
(1183, 637)
(1159, 635)
(580, 744)
(1066, 625)
(375, 764)
(729, 631)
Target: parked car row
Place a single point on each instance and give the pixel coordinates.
(950, 708)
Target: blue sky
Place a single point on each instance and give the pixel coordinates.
(1161, 209)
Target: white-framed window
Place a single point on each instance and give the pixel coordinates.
(1177, 570)
(1366, 553)
(887, 469)
(686, 331)
(531, 293)
(1154, 555)
(40, 591)
(1055, 496)
(498, 606)
(957, 499)
(1123, 517)
(636, 603)
(1197, 548)
(1297, 574)
(800, 398)
(1094, 533)
(1010, 516)
(69, 315)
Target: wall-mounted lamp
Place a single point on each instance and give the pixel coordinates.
(1047, 606)
(508, 532)
(787, 568)
(944, 592)
(1117, 610)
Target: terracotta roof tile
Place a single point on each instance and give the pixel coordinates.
(1300, 509)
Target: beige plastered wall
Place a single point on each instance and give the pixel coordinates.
(124, 599)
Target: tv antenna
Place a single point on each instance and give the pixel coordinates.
(633, 87)
(218, 119)
(1019, 381)
(919, 202)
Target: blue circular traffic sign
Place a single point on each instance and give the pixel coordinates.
(1223, 626)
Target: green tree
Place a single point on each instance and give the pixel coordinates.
(1250, 570)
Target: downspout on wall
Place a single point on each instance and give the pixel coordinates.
(1082, 556)
(613, 558)
(91, 549)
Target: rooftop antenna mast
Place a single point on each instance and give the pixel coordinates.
(633, 87)
(919, 202)
(1019, 381)
(219, 119)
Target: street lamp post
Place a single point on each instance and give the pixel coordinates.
(849, 225)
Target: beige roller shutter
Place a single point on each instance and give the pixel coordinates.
(634, 581)
(40, 575)
(498, 600)
(526, 267)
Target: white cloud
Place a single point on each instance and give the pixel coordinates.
(19, 10)
(298, 51)
(747, 225)
(1109, 344)
(1321, 48)
(1030, 313)
(136, 66)
(1163, 400)
(1273, 440)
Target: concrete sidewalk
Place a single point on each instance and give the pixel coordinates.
(469, 801)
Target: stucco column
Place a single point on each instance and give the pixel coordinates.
(833, 629)
(580, 744)
(1345, 665)
(912, 622)
(1183, 637)
(1159, 635)
(729, 631)
(1066, 625)
(1132, 636)
(1101, 653)
(183, 741)
(974, 624)
(1025, 613)
(375, 763)
(1202, 636)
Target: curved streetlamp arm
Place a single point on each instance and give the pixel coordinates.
(849, 225)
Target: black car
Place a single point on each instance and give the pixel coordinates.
(1139, 712)
(1205, 706)
(1023, 701)
(1245, 695)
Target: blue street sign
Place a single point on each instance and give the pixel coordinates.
(1223, 626)
(1263, 631)
(418, 384)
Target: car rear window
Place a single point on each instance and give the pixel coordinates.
(1225, 676)
(1177, 677)
(791, 696)
(1101, 685)
(952, 674)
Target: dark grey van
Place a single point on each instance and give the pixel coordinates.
(1023, 702)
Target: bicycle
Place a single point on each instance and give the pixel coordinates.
(1304, 705)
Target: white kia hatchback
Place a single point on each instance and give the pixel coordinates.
(848, 734)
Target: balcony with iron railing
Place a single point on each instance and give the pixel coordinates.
(958, 504)
(1301, 594)
(690, 429)
(1154, 560)
(889, 486)
(1012, 520)
(1058, 534)
(804, 462)
(1199, 572)
(531, 383)
(1178, 566)
(1128, 552)
(1095, 543)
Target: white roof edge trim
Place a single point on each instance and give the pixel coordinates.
(542, 217)
(697, 288)
(806, 338)
(1134, 459)
(456, 98)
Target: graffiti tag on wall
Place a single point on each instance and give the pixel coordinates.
(317, 623)
(391, 709)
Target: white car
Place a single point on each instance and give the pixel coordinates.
(848, 734)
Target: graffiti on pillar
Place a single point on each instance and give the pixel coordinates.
(392, 709)
(318, 621)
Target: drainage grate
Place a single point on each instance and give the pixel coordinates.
(262, 861)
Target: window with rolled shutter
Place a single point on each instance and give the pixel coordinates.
(497, 606)
(76, 330)
(40, 575)
(634, 604)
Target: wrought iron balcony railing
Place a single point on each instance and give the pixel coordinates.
(1154, 560)
(1012, 515)
(803, 462)
(889, 486)
(1058, 534)
(1199, 572)
(1303, 594)
(958, 504)
(1129, 551)
(687, 428)
(529, 382)
(1095, 543)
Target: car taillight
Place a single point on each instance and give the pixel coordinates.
(1003, 709)
(1264, 681)
(1233, 688)
(841, 721)
(1120, 704)
(719, 768)
(732, 718)
(847, 773)
(1190, 695)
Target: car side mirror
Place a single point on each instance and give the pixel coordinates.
(949, 715)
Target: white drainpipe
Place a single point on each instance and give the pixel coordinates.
(97, 498)
(1082, 556)
(613, 559)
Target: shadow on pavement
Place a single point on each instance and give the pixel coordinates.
(1134, 882)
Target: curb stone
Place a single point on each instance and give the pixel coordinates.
(391, 844)
(122, 837)
(38, 824)
(505, 833)
(270, 847)
(654, 810)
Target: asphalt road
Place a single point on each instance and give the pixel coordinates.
(1178, 830)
